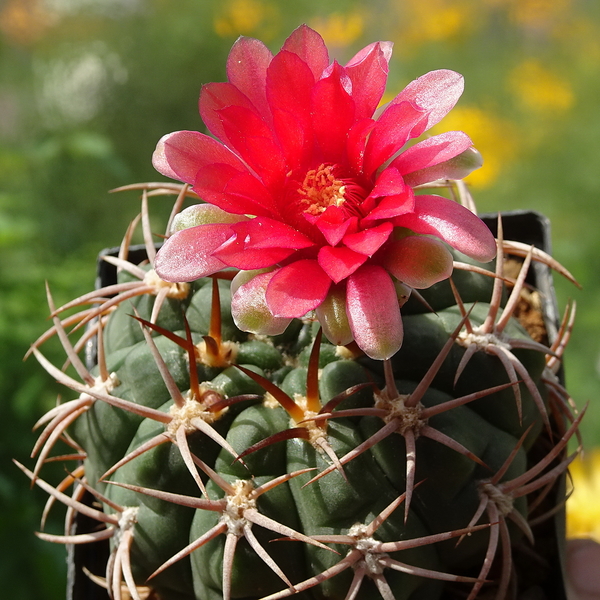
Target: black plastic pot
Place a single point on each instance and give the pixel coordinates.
(533, 228)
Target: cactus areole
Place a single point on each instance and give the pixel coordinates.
(255, 418)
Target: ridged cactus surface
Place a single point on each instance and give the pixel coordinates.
(232, 465)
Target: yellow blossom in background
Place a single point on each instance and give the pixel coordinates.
(493, 136)
(583, 507)
(339, 29)
(540, 90)
(246, 17)
(433, 21)
(24, 21)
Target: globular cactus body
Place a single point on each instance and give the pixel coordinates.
(267, 467)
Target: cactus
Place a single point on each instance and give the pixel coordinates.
(309, 457)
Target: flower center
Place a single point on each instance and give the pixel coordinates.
(321, 189)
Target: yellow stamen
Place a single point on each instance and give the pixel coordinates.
(320, 189)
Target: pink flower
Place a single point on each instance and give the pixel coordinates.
(311, 196)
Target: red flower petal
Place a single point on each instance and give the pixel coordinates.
(289, 89)
(391, 207)
(234, 192)
(397, 124)
(368, 241)
(247, 70)
(417, 261)
(397, 197)
(295, 138)
(297, 288)
(373, 312)
(389, 183)
(260, 243)
(333, 113)
(187, 254)
(289, 83)
(452, 223)
(435, 92)
(310, 47)
(432, 151)
(334, 225)
(457, 167)
(340, 262)
(368, 71)
(214, 97)
(180, 155)
(235, 254)
(269, 233)
(255, 142)
(357, 142)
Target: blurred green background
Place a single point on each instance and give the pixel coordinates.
(87, 87)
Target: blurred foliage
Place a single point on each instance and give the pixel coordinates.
(87, 87)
